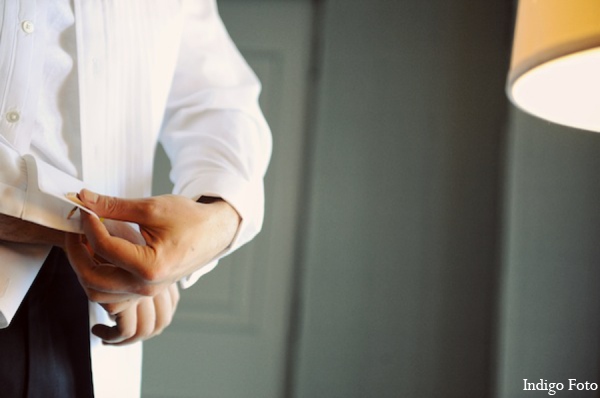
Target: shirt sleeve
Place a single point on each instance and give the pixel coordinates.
(34, 191)
(214, 132)
(13, 180)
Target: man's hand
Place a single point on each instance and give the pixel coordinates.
(88, 265)
(137, 317)
(142, 319)
(179, 236)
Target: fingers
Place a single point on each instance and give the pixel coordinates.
(114, 208)
(165, 305)
(137, 259)
(124, 329)
(96, 277)
(145, 321)
(116, 307)
(146, 318)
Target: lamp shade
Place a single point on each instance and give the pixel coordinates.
(555, 66)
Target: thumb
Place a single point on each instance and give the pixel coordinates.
(112, 208)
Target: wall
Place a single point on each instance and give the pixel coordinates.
(549, 325)
(401, 254)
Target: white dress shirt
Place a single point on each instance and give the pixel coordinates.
(86, 90)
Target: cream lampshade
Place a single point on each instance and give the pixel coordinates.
(555, 67)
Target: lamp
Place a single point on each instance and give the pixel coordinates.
(555, 66)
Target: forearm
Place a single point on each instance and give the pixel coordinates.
(16, 230)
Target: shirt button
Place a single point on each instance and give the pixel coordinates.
(13, 117)
(27, 26)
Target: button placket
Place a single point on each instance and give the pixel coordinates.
(22, 60)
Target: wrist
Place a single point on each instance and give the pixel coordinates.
(227, 218)
(19, 231)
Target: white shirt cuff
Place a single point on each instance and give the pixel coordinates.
(39, 198)
(46, 203)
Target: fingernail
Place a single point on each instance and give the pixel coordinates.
(89, 196)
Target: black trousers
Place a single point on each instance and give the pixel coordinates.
(45, 351)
